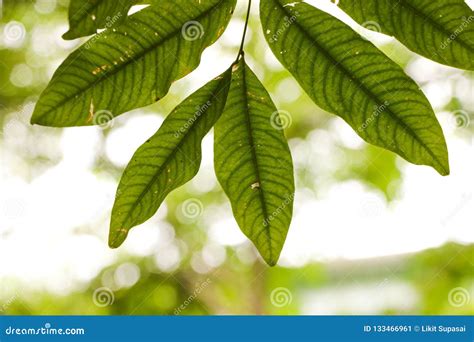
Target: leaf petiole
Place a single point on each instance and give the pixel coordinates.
(241, 49)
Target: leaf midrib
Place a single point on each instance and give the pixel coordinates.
(255, 160)
(363, 88)
(121, 67)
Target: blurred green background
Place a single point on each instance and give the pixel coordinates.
(371, 235)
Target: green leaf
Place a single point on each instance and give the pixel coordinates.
(134, 64)
(441, 30)
(347, 75)
(253, 163)
(167, 160)
(86, 17)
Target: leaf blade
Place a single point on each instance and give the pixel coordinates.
(253, 164)
(348, 76)
(86, 18)
(169, 159)
(439, 30)
(133, 64)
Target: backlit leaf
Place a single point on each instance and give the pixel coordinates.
(253, 163)
(167, 160)
(132, 64)
(347, 75)
(86, 17)
(442, 30)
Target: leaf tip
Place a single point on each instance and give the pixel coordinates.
(443, 170)
(271, 259)
(271, 262)
(69, 36)
(117, 237)
(36, 118)
(442, 164)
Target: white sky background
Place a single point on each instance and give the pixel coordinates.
(39, 219)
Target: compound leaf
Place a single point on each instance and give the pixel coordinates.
(169, 159)
(133, 64)
(86, 17)
(253, 163)
(440, 30)
(347, 75)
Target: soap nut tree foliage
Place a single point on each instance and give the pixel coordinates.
(130, 61)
